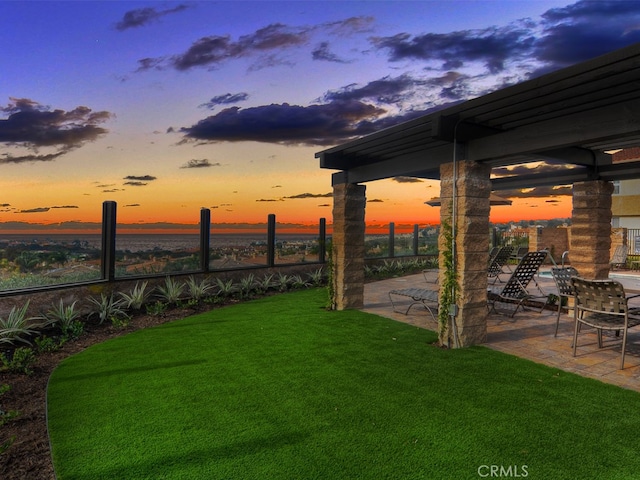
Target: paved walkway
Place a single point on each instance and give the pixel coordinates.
(530, 334)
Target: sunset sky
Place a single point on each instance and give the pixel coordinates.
(167, 107)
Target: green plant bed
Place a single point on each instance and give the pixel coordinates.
(281, 388)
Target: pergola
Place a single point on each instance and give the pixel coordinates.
(569, 119)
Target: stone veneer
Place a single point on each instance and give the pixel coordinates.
(348, 246)
(591, 228)
(473, 188)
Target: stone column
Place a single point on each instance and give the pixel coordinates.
(591, 228)
(348, 246)
(473, 188)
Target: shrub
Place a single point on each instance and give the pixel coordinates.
(247, 285)
(225, 289)
(21, 361)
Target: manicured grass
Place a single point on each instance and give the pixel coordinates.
(280, 388)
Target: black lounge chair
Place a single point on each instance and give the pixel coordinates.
(562, 278)
(498, 261)
(515, 290)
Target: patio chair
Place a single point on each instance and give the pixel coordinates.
(498, 261)
(619, 258)
(515, 290)
(602, 304)
(562, 278)
(418, 296)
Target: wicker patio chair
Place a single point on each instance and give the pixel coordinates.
(602, 304)
(515, 290)
(498, 261)
(562, 278)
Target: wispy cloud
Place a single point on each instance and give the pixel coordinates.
(226, 99)
(143, 16)
(200, 163)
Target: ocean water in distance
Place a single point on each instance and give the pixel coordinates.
(146, 242)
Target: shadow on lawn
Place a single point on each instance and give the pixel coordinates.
(119, 371)
(166, 462)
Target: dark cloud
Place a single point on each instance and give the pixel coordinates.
(406, 180)
(226, 99)
(270, 200)
(322, 52)
(385, 90)
(311, 195)
(30, 125)
(536, 192)
(586, 29)
(65, 206)
(542, 168)
(287, 124)
(143, 16)
(142, 178)
(35, 210)
(132, 205)
(375, 200)
(134, 183)
(493, 46)
(202, 163)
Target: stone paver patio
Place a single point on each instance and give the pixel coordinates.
(530, 334)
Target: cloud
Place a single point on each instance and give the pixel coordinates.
(35, 210)
(322, 53)
(143, 16)
(270, 200)
(132, 205)
(142, 178)
(311, 195)
(385, 90)
(226, 99)
(406, 180)
(565, 190)
(32, 126)
(493, 46)
(135, 184)
(65, 206)
(202, 163)
(267, 44)
(375, 200)
(586, 29)
(287, 124)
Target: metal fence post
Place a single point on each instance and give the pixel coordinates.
(322, 241)
(271, 240)
(392, 240)
(108, 253)
(415, 240)
(205, 239)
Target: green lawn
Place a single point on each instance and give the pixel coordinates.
(280, 388)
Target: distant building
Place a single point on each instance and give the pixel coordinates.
(625, 205)
(625, 202)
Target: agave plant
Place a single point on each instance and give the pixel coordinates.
(284, 281)
(171, 291)
(137, 297)
(225, 289)
(316, 278)
(247, 285)
(108, 308)
(264, 284)
(65, 317)
(198, 290)
(298, 282)
(17, 326)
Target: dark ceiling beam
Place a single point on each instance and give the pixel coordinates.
(419, 164)
(597, 125)
(575, 156)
